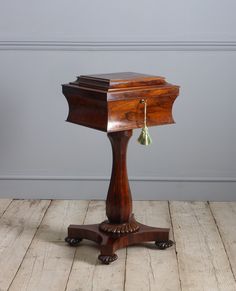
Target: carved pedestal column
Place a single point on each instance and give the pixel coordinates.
(119, 199)
(121, 229)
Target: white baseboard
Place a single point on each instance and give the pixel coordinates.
(143, 188)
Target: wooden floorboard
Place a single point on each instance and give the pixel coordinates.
(4, 203)
(34, 256)
(48, 261)
(87, 273)
(148, 268)
(225, 217)
(17, 229)
(203, 263)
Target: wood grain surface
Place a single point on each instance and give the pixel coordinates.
(33, 255)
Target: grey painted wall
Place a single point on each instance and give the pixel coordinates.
(43, 44)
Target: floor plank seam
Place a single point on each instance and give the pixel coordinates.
(231, 268)
(37, 229)
(7, 208)
(176, 253)
(94, 270)
(72, 264)
(126, 254)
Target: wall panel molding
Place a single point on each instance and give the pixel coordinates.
(121, 45)
(107, 178)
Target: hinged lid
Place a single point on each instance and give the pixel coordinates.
(118, 81)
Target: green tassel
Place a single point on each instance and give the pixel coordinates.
(145, 138)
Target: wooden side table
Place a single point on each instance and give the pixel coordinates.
(112, 103)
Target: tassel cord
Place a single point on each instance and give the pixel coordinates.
(145, 113)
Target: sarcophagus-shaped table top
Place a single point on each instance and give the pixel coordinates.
(111, 102)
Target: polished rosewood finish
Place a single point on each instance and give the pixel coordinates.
(111, 103)
(119, 201)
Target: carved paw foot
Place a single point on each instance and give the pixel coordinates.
(73, 242)
(162, 245)
(106, 259)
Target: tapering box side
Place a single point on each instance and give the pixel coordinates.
(85, 109)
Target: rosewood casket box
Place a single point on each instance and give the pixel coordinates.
(111, 102)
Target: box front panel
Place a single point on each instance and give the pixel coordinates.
(129, 114)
